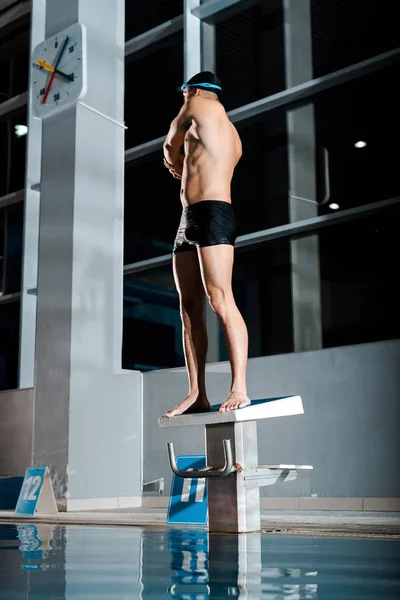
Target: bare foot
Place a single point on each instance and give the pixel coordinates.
(194, 403)
(234, 401)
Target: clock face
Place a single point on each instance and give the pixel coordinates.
(58, 71)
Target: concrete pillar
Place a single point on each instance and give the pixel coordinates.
(192, 39)
(31, 221)
(305, 272)
(87, 422)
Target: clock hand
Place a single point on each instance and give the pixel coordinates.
(54, 73)
(45, 65)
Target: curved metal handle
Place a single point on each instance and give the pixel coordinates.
(227, 469)
(326, 177)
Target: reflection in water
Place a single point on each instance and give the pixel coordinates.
(109, 563)
(35, 546)
(221, 566)
(189, 564)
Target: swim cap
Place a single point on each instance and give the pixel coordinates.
(205, 81)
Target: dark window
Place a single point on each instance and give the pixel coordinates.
(358, 266)
(5, 152)
(18, 154)
(152, 209)
(11, 249)
(358, 263)
(141, 15)
(5, 80)
(363, 110)
(12, 154)
(2, 249)
(262, 289)
(359, 285)
(9, 344)
(14, 65)
(250, 45)
(20, 72)
(250, 54)
(151, 96)
(152, 337)
(344, 33)
(260, 182)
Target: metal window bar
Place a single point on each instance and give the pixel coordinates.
(153, 36)
(295, 96)
(13, 12)
(291, 97)
(7, 298)
(298, 94)
(213, 11)
(302, 93)
(291, 230)
(12, 105)
(13, 198)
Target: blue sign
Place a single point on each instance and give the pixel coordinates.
(35, 567)
(30, 491)
(29, 537)
(35, 545)
(189, 558)
(188, 503)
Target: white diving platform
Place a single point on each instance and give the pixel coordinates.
(232, 473)
(259, 409)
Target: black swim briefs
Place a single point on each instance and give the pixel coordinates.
(205, 223)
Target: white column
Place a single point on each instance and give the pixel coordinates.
(31, 222)
(192, 39)
(305, 272)
(87, 410)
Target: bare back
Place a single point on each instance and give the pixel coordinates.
(212, 150)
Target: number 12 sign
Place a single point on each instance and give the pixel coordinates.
(36, 496)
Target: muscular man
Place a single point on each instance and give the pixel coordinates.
(204, 245)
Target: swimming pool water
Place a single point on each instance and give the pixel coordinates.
(45, 562)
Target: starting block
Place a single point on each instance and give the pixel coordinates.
(232, 472)
(37, 495)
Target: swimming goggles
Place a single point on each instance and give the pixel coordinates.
(207, 85)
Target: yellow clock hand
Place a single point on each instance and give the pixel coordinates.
(45, 65)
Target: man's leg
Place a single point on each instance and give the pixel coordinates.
(216, 263)
(191, 295)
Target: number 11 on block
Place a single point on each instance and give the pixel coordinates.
(200, 484)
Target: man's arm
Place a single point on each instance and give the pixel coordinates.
(176, 136)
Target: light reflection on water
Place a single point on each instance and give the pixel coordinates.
(64, 563)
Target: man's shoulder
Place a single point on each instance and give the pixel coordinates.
(199, 105)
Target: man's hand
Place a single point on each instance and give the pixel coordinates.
(175, 172)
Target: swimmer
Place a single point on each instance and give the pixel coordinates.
(203, 252)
